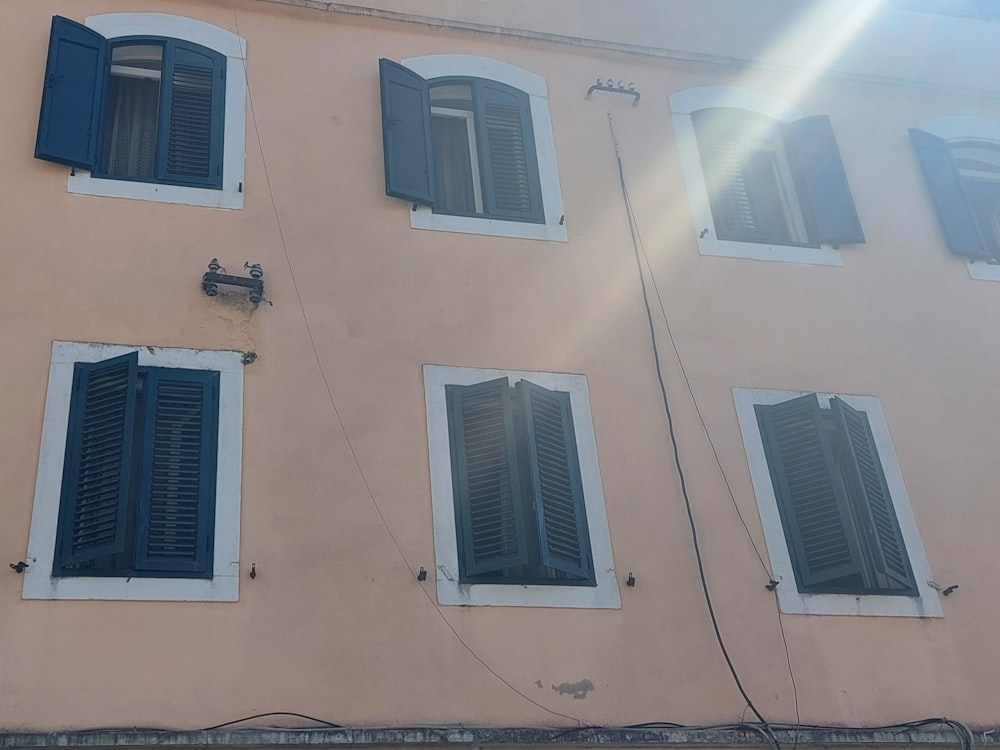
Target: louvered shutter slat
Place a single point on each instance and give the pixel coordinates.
(508, 162)
(488, 499)
(194, 104)
(724, 154)
(557, 487)
(873, 503)
(812, 502)
(94, 502)
(177, 484)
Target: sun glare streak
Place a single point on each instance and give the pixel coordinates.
(812, 45)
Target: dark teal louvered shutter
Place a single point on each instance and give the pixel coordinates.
(737, 176)
(192, 121)
(75, 76)
(556, 486)
(954, 212)
(406, 134)
(821, 185)
(507, 158)
(489, 509)
(93, 506)
(812, 502)
(872, 502)
(176, 492)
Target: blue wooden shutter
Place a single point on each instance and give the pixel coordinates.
(873, 506)
(811, 498)
(177, 480)
(957, 220)
(72, 95)
(489, 509)
(821, 183)
(507, 158)
(556, 486)
(93, 506)
(406, 134)
(723, 158)
(192, 120)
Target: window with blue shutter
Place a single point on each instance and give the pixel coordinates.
(139, 478)
(519, 503)
(464, 146)
(141, 109)
(838, 517)
(775, 183)
(963, 179)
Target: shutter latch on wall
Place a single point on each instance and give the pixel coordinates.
(217, 275)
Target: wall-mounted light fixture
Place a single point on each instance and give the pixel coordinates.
(217, 275)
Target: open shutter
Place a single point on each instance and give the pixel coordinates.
(557, 488)
(406, 134)
(811, 498)
(508, 162)
(193, 115)
(177, 480)
(955, 215)
(873, 504)
(93, 507)
(821, 183)
(488, 501)
(75, 75)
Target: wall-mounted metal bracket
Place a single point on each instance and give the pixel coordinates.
(621, 88)
(216, 275)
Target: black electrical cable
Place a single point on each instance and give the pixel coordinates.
(324, 722)
(673, 436)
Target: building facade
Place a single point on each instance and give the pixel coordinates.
(558, 365)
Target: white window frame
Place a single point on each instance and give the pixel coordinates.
(114, 25)
(605, 594)
(685, 103)
(39, 583)
(790, 599)
(966, 128)
(553, 228)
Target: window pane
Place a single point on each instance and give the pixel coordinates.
(455, 186)
(129, 133)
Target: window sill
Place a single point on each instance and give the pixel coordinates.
(825, 255)
(982, 271)
(220, 588)
(83, 183)
(794, 602)
(425, 218)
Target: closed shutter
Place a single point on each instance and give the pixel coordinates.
(820, 182)
(811, 499)
(177, 479)
(872, 501)
(556, 486)
(193, 115)
(406, 134)
(487, 488)
(508, 162)
(727, 156)
(93, 508)
(75, 76)
(955, 215)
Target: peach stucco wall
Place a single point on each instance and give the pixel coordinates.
(335, 625)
